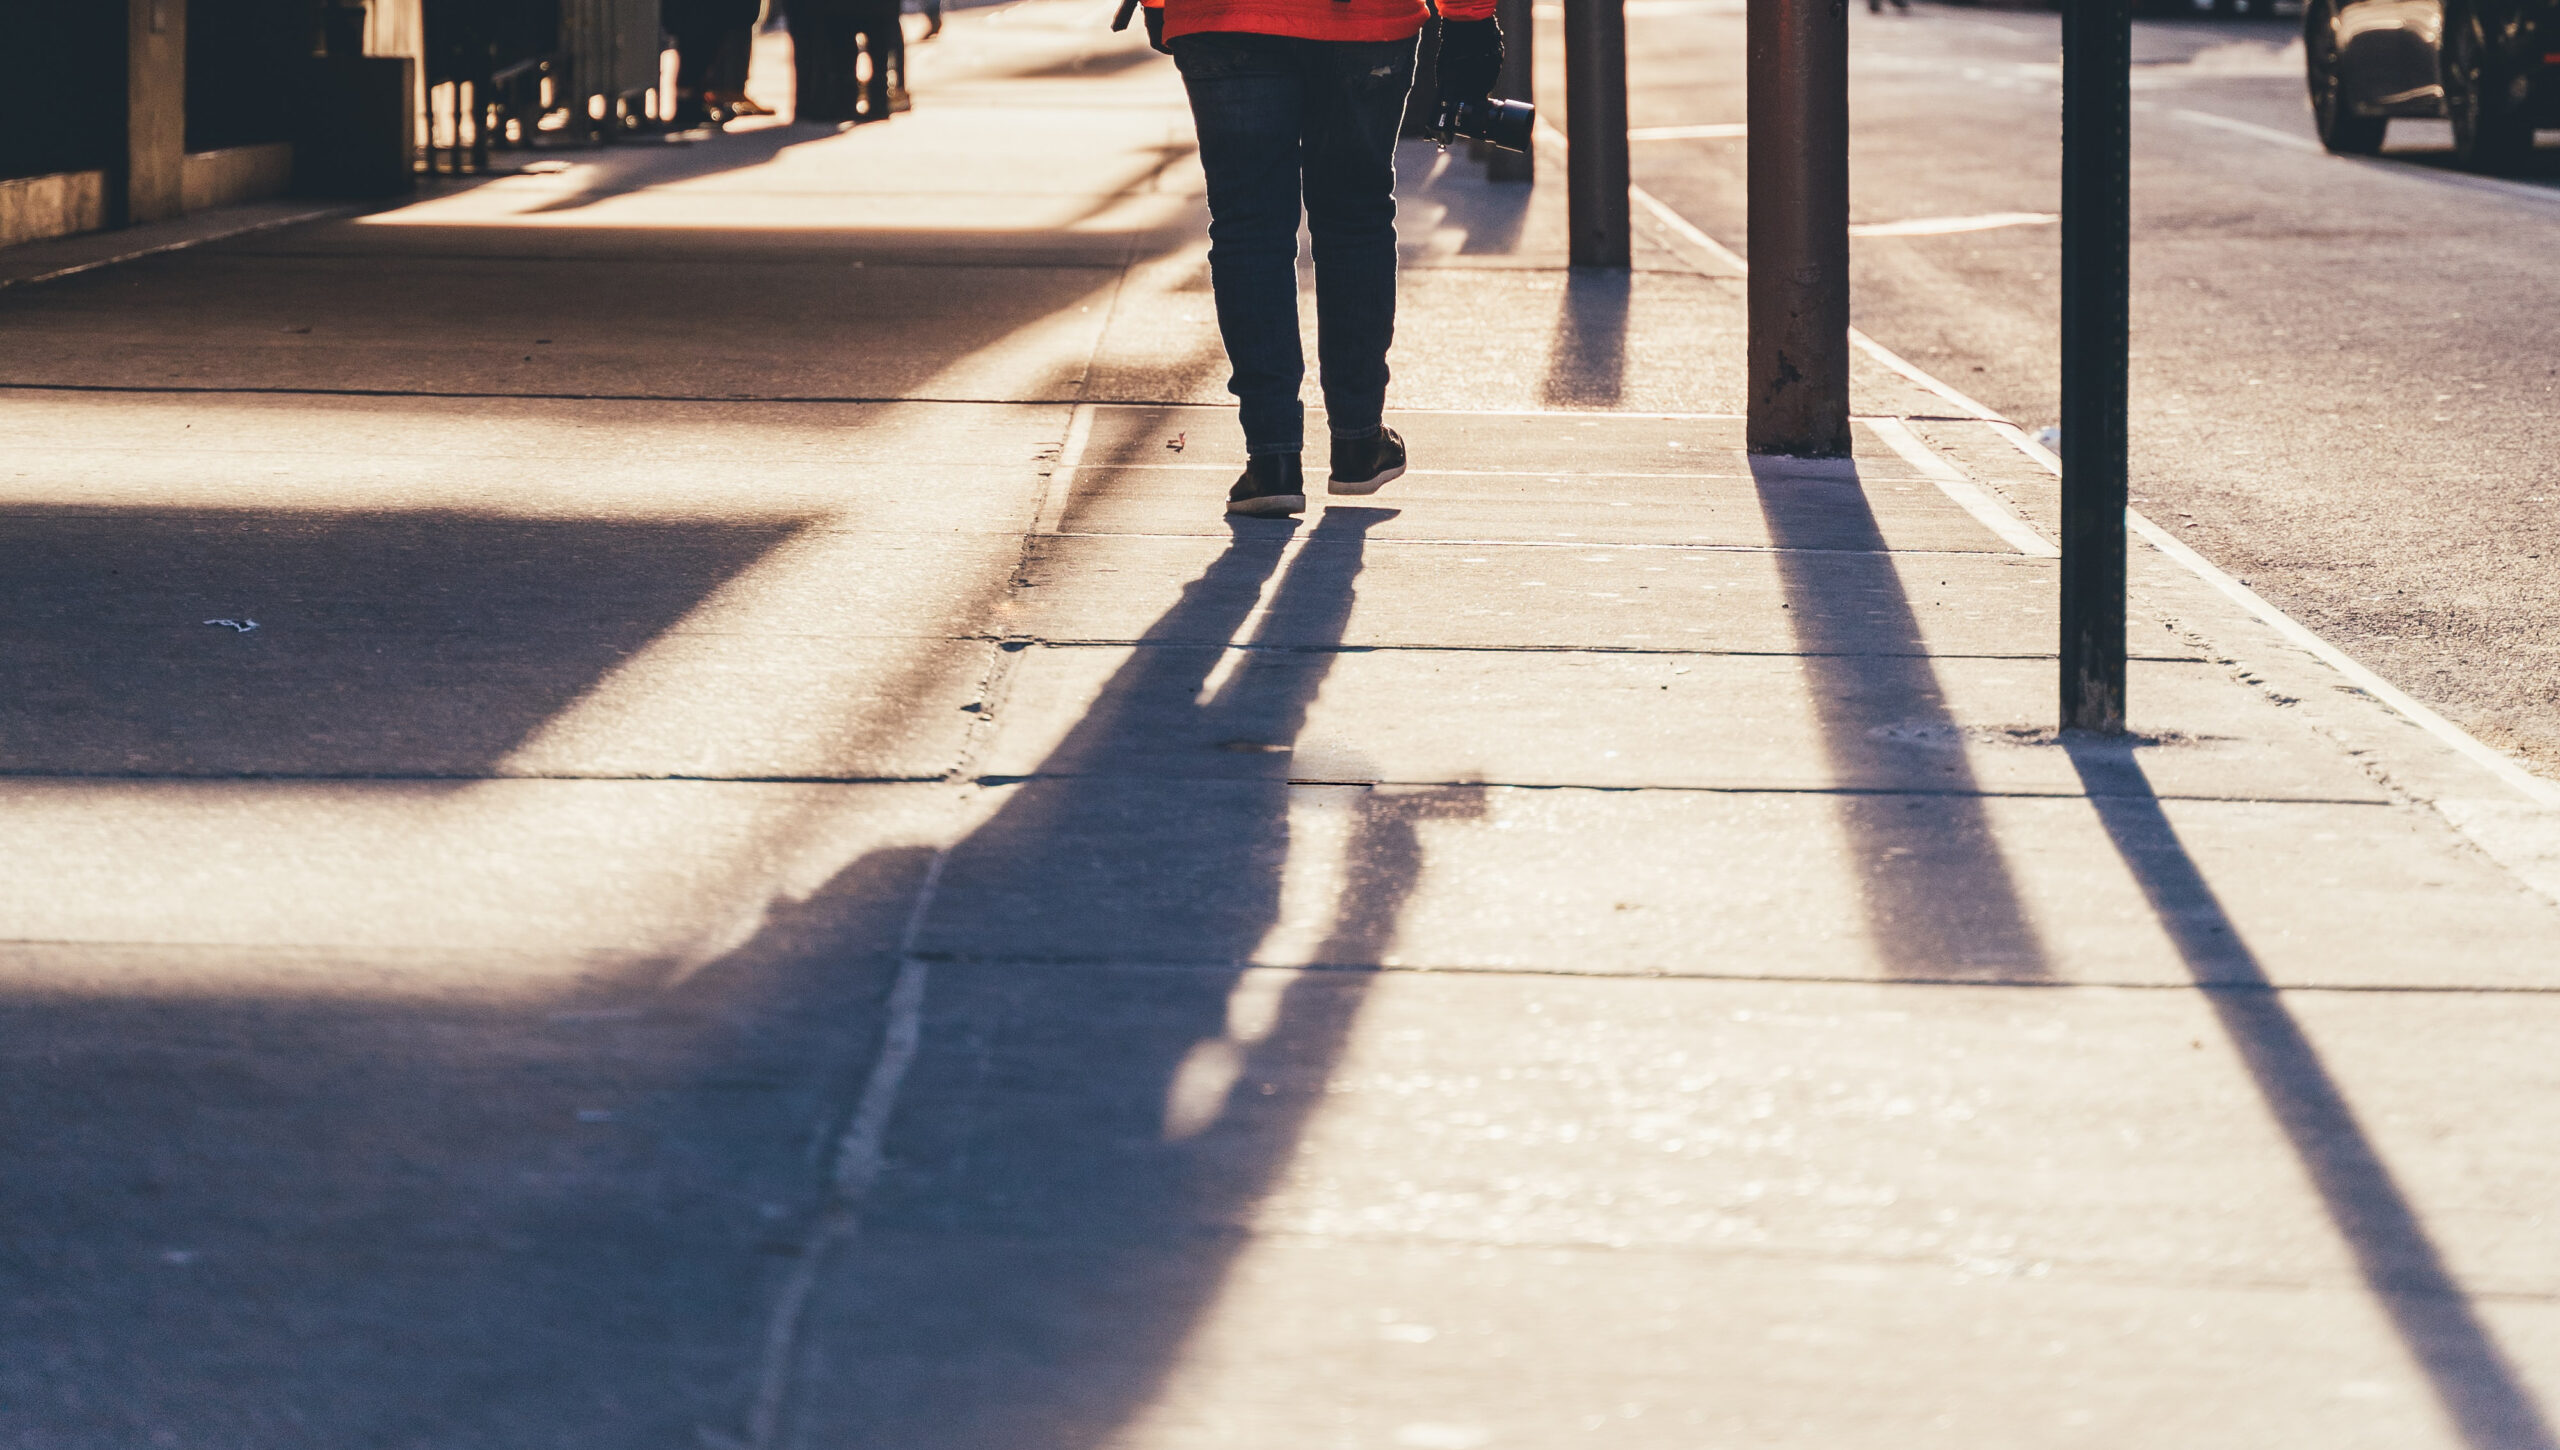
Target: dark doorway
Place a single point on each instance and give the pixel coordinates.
(61, 87)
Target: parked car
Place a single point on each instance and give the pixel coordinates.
(2488, 66)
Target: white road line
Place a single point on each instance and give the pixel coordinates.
(1919, 379)
(857, 1162)
(1679, 225)
(1687, 232)
(2524, 782)
(2268, 134)
(1713, 131)
(1992, 513)
(2386, 165)
(1941, 226)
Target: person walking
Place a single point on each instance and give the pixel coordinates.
(830, 39)
(1297, 103)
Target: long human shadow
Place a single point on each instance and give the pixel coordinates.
(1939, 898)
(1106, 1088)
(2471, 1376)
(276, 1216)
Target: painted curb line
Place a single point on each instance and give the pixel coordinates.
(2508, 771)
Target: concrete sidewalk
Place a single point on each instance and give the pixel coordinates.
(773, 872)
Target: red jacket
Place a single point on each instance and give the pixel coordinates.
(1312, 19)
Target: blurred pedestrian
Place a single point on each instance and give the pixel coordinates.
(1297, 103)
(724, 88)
(714, 39)
(830, 40)
(884, 42)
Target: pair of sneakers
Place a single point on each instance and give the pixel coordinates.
(1275, 484)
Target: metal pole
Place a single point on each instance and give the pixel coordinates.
(1518, 83)
(2097, 228)
(1798, 53)
(1595, 125)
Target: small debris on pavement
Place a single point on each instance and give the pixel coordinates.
(242, 625)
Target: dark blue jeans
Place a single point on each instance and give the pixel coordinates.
(1283, 120)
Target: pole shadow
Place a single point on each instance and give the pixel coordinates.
(2479, 1389)
(1587, 361)
(1940, 900)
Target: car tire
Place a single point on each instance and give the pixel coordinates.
(2343, 131)
(2491, 133)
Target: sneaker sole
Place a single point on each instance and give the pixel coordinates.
(1364, 486)
(1269, 506)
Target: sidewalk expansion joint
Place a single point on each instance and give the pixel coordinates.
(1018, 642)
(1551, 475)
(1882, 791)
(1965, 1267)
(814, 257)
(812, 398)
(1988, 978)
(460, 777)
(2006, 555)
(502, 395)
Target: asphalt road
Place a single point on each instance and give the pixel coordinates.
(2344, 371)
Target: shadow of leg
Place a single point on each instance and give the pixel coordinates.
(1104, 1091)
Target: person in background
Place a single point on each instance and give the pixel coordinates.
(713, 39)
(724, 87)
(1298, 101)
(884, 39)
